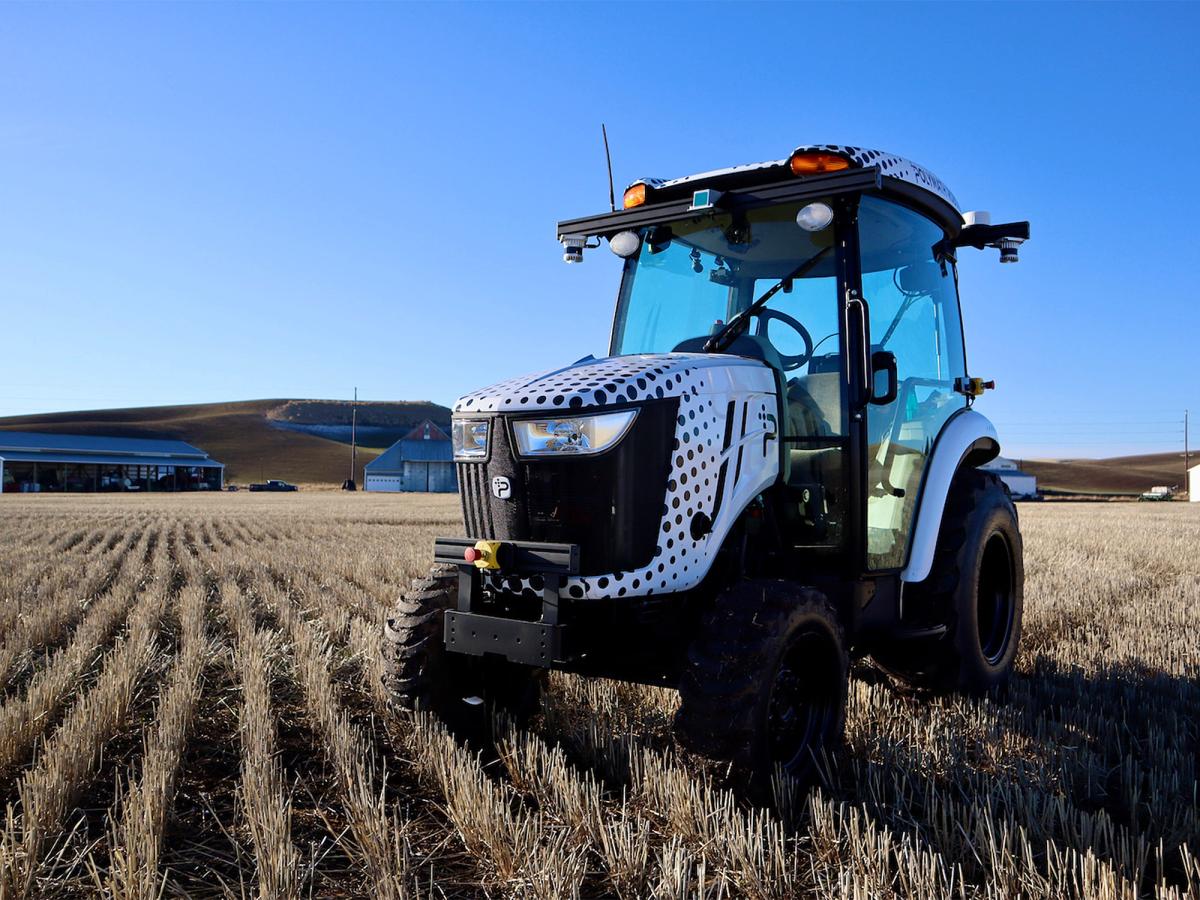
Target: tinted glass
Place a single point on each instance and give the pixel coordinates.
(913, 315)
(710, 267)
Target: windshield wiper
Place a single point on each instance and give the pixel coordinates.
(738, 323)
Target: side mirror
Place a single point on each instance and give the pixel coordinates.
(884, 380)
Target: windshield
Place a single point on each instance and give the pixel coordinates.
(689, 278)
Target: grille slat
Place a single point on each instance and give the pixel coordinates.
(486, 527)
(481, 502)
(474, 502)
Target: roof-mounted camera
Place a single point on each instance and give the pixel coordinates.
(573, 247)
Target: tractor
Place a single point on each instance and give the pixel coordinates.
(775, 470)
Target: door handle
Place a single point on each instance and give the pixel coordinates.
(855, 303)
(883, 362)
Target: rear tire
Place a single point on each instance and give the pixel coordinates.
(420, 673)
(766, 681)
(975, 587)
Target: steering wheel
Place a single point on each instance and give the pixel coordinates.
(794, 361)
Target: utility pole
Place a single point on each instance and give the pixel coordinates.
(1186, 455)
(354, 435)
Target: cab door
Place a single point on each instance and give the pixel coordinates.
(913, 321)
(819, 491)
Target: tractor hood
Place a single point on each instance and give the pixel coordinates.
(594, 383)
(704, 443)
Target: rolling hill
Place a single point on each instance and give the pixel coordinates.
(307, 441)
(297, 440)
(1118, 474)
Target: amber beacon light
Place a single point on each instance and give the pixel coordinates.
(635, 195)
(806, 162)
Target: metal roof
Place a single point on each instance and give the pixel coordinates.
(394, 458)
(29, 446)
(87, 443)
(425, 443)
(103, 459)
(426, 431)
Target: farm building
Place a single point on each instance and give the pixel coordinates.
(1020, 484)
(32, 462)
(1194, 484)
(422, 460)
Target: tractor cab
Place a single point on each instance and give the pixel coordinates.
(841, 279)
(753, 483)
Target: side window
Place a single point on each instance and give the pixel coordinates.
(814, 424)
(913, 315)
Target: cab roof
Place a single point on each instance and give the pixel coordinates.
(811, 171)
(889, 164)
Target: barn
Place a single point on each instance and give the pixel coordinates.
(422, 460)
(34, 463)
(1021, 485)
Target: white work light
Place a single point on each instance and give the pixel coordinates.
(815, 217)
(625, 243)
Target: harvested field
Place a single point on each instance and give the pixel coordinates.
(190, 705)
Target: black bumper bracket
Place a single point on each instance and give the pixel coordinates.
(530, 643)
(537, 643)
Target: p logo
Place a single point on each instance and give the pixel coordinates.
(501, 488)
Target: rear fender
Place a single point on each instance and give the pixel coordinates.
(968, 439)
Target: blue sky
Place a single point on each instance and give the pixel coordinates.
(206, 202)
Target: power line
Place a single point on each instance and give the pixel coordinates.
(1112, 443)
(1095, 423)
(1151, 431)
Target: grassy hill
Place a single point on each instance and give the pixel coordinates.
(1118, 474)
(253, 438)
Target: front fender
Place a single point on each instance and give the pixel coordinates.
(967, 439)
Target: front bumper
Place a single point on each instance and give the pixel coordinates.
(544, 642)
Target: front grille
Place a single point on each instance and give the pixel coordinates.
(609, 505)
(484, 515)
(476, 499)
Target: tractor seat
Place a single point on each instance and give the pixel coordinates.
(815, 405)
(823, 466)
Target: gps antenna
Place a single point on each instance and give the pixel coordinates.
(612, 196)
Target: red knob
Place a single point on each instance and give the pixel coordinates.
(471, 554)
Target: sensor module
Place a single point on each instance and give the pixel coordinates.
(706, 198)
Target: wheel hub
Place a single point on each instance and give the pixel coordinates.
(803, 704)
(996, 602)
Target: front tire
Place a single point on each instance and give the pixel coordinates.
(976, 587)
(766, 681)
(420, 673)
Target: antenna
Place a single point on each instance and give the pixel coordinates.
(612, 196)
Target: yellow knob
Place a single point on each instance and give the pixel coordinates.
(484, 555)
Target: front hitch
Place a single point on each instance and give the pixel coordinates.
(535, 643)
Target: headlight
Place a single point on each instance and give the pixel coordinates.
(469, 438)
(573, 434)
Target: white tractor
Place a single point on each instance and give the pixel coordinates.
(775, 468)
